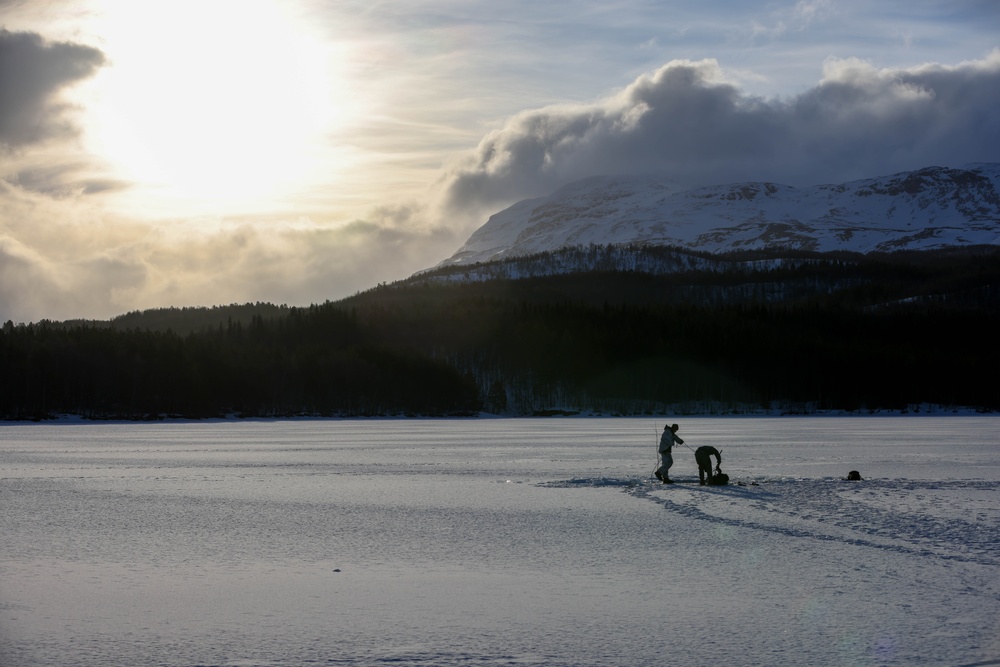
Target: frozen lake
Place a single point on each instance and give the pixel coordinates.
(500, 542)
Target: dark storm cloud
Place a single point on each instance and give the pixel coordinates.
(32, 73)
(687, 122)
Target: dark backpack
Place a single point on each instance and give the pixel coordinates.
(719, 479)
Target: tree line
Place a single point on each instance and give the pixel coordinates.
(869, 333)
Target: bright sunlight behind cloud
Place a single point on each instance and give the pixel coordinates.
(228, 117)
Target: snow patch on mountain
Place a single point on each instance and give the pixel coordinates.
(930, 208)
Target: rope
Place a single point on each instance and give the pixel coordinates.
(688, 446)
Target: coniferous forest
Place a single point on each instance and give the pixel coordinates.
(848, 333)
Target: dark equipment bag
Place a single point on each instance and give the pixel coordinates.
(718, 479)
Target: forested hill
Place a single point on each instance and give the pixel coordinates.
(184, 321)
(820, 332)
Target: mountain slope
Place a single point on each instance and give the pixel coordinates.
(930, 208)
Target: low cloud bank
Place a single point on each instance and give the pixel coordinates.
(688, 122)
(95, 267)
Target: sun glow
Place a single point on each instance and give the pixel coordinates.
(213, 104)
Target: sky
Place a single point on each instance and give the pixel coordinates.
(206, 152)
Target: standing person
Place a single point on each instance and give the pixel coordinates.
(703, 456)
(667, 441)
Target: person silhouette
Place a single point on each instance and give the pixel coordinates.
(667, 441)
(703, 457)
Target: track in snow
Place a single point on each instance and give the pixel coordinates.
(955, 520)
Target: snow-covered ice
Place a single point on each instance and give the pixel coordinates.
(500, 542)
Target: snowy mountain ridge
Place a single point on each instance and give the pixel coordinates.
(925, 209)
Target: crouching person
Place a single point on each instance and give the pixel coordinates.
(702, 456)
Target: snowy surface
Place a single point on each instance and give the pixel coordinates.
(925, 209)
(500, 542)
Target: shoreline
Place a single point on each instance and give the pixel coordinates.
(556, 414)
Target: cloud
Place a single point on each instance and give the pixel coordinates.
(62, 179)
(84, 263)
(689, 122)
(797, 18)
(32, 74)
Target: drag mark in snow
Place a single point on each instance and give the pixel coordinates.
(951, 520)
